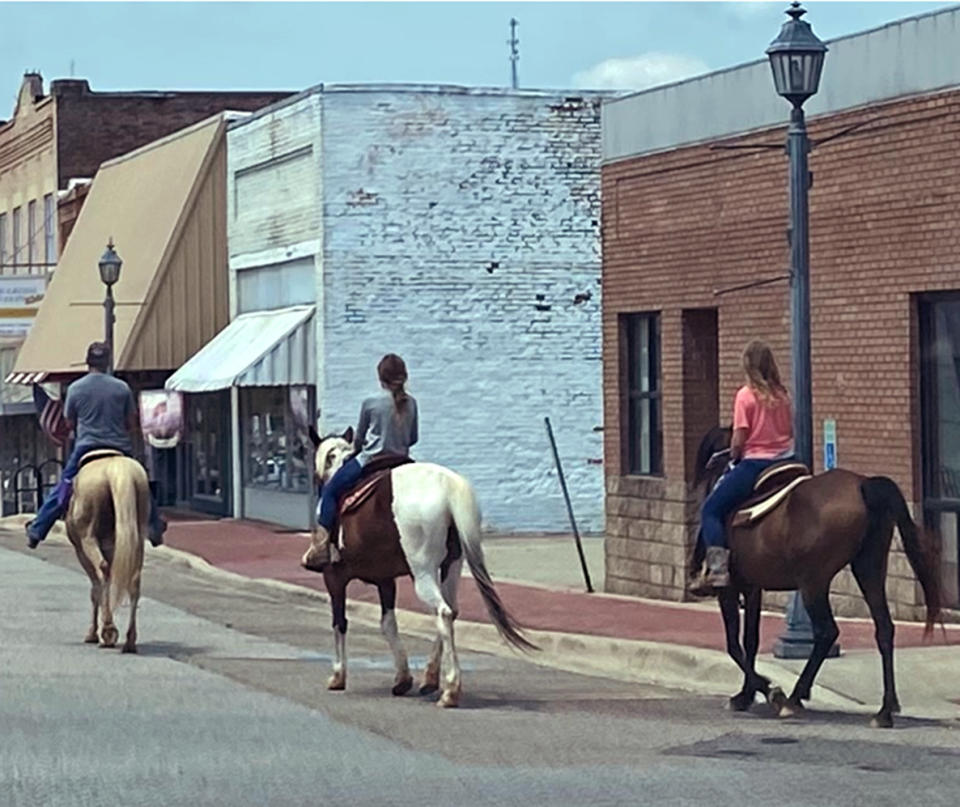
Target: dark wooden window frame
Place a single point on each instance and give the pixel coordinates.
(632, 391)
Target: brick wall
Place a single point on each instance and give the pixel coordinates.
(93, 127)
(462, 232)
(884, 220)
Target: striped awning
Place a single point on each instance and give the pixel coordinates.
(259, 349)
(25, 378)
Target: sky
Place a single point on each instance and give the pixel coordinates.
(291, 46)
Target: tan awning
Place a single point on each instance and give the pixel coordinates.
(161, 207)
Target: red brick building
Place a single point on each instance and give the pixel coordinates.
(686, 216)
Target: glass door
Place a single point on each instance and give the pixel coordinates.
(208, 452)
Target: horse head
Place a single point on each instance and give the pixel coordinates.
(710, 458)
(332, 452)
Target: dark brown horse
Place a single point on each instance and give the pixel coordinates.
(825, 523)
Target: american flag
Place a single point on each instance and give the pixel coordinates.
(50, 414)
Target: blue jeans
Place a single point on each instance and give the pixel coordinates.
(734, 489)
(346, 476)
(55, 505)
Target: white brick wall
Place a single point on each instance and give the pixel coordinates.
(460, 230)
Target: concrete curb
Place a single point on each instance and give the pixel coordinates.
(707, 672)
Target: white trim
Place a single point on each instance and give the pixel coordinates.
(275, 255)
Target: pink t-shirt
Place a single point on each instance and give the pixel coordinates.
(769, 425)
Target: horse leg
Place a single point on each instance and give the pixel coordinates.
(108, 630)
(403, 681)
(751, 643)
(338, 604)
(130, 645)
(449, 586)
(92, 636)
(730, 611)
(428, 590)
(869, 571)
(431, 674)
(825, 633)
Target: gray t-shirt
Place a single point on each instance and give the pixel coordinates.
(100, 406)
(381, 428)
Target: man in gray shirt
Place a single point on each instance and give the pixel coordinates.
(101, 410)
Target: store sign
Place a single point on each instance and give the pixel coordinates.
(161, 417)
(20, 297)
(829, 445)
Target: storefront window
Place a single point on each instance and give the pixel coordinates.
(277, 453)
(940, 320)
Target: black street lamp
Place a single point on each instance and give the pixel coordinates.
(796, 59)
(110, 264)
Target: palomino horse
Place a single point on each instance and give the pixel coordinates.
(106, 524)
(825, 522)
(434, 512)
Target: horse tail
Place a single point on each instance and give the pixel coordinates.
(885, 504)
(466, 518)
(128, 487)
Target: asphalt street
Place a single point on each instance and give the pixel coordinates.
(225, 705)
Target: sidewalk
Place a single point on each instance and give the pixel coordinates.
(539, 580)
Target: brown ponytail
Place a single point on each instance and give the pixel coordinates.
(393, 375)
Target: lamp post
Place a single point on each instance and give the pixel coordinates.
(110, 264)
(796, 59)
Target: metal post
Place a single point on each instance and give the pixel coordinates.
(797, 640)
(566, 497)
(514, 52)
(109, 319)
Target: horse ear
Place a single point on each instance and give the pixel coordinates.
(348, 435)
(314, 437)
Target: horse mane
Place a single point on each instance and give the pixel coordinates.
(717, 439)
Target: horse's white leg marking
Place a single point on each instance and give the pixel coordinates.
(428, 589)
(388, 626)
(339, 678)
(431, 674)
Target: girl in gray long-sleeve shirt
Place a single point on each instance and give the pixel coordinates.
(388, 424)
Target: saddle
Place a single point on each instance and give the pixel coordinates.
(99, 454)
(374, 474)
(769, 491)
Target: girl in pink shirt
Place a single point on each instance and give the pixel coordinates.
(762, 435)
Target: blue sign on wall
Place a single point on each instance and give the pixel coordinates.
(829, 444)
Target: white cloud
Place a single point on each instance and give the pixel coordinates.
(751, 9)
(639, 72)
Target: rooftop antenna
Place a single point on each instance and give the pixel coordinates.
(514, 43)
(72, 65)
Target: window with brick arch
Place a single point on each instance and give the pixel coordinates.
(640, 380)
(49, 231)
(15, 257)
(3, 240)
(31, 234)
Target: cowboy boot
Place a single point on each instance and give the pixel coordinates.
(715, 576)
(320, 552)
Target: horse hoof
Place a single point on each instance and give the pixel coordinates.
(402, 687)
(91, 638)
(740, 702)
(882, 720)
(790, 709)
(449, 700)
(128, 648)
(776, 698)
(108, 637)
(337, 682)
(428, 688)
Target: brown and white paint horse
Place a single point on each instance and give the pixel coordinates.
(107, 523)
(435, 513)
